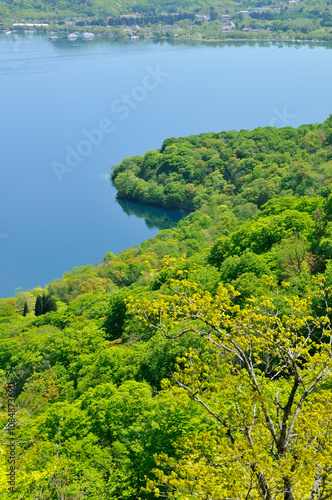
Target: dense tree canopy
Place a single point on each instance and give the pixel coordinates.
(198, 364)
(238, 167)
(263, 386)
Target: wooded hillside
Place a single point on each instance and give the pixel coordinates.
(198, 364)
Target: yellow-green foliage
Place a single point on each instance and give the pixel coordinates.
(201, 376)
(263, 387)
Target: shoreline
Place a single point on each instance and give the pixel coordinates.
(63, 35)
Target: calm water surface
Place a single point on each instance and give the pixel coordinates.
(71, 110)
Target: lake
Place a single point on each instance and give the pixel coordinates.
(71, 110)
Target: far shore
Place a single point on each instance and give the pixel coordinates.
(62, 33)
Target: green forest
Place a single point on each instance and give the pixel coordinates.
(190, 19)
(199, 363)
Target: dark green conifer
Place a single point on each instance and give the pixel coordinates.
(49, 304)
(25, 309)
(39, 306)
(44, 299)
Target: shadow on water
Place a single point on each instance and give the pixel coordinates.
(161, 218)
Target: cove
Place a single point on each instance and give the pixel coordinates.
(55, 96)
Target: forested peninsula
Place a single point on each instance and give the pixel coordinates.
(302, 20)
(198, 364)
(231, 167)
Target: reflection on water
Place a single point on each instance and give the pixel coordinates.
(154, 217)
(23, 55)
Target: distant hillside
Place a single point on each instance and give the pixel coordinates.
(104, 8)
(197, 19)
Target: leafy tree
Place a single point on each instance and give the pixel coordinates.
(263, 387)
(248, 262)
(23, 298)
(116, 315)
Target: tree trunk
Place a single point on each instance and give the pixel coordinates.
(264, 489)
(288, 493)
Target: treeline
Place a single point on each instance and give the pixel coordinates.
(309, 20)
(103, 9)
(297, 18)
(150, 19)
(180, 375)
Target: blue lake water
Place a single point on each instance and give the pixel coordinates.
(71, 110)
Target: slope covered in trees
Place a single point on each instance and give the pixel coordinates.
(196, 19)
(198, 364)
(242, 167)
